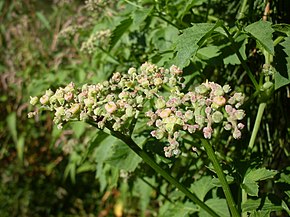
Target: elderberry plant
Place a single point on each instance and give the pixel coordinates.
(118, 102)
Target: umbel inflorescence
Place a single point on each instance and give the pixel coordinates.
(118, 102)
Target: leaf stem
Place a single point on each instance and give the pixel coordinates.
(257, 125)
(147, 159)
(222, 178)
(243, 62)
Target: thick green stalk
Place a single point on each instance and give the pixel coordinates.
(243, 62)
(221, 177)
(243, 9)
(147, 159)
(257, 125)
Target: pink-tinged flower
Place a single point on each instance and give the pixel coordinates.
(68, 96)
(165, 113)
(219, 100)
(241, 126)
(240, 114)
(208, 110)
(110, 107)
(44, 99)
(74, 108)
(237, 134)
(228, 126)
(174, 70)
(207, 131)
(229, 109)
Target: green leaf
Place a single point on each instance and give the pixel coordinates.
(139, 16)
(251, 205)
(260, 214)
(119, 31)
(282, 63)
(232, 57)
(178, 209)
(20, 147)
(123, 157)
(202, 186)
(262, 32)
(43, 20)
(218, 205)
(190, 41)
(250, 184)
(11, 122)
(282, 27)
(144, 191)
(79, 128)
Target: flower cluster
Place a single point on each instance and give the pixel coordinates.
(97, 39)
(120, 100)
(207, 106)
(116, 101)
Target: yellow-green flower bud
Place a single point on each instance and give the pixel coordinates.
(33, 100)
(217, 117)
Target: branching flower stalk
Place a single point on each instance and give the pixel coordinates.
(117, 104)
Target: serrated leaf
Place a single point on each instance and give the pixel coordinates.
(119, 31)
(265, 205)
(250, 184)
(262, 32)
(218, 205)
(202, 186)
(260, 214)
(123, 157)
(282, 27)
(282, 63)
(138, 16)
(190, 41)
(259, 174)
(251, 205)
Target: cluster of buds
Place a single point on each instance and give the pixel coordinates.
(119, 101)
(97, 39)
(208, 106)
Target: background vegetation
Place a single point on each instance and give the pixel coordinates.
(80, 171)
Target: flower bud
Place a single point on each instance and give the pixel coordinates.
(33, 100)
(160, 103)
(132, 71)
(227, 88)
(44, 99)
(110, 107)
(165, 113)
(201, 89)
(157, 81)
(217, 117)
(240, 114)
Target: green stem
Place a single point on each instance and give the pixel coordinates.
(257, 125)
(221, 177)
(243, 9)
(147, 159)
(243, 62)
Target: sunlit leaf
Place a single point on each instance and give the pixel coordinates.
(190, 41)
(262, 32)
(250, 184)
(218, 205)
